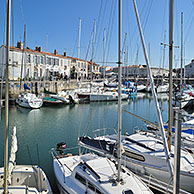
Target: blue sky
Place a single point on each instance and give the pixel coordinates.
(59, 20)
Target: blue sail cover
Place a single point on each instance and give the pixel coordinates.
(103, 145)
(26, 87)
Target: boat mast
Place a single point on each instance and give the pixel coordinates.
(104, 49)
(171, 7)
(7, 100)
(24, 59)
(164, 52)
(159, 116)
(78, 56)
(119, 90)
(93, 45)
(23, 65)
(181, 81)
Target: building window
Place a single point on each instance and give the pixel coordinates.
(40, 72)
(57, 62)
(52, 61)
(36, 60)
(29, 59)
(61, 62)
(48, 60)
(41, 60)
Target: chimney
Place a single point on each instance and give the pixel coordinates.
(38, 48)
(20, 45)
(55, 52)
(65, 54)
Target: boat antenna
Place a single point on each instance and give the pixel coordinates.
(159, 116)
(119, 88)
(7, 100)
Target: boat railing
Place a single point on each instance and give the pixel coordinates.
(158, 185)
(104, 131)
(57, 156)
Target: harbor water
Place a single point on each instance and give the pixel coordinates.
(38, 131)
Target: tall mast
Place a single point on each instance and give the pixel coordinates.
(80, 22)
(3, 64)
(119, 89)
(104, 49)
(78, 55)
(181, 81)
(93, 45)
(7, 100)
(171, 7)
(24, 58)
(23, 65)
(124, 51)
(164, 52)
(158, 113)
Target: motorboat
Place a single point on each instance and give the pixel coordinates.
(63, 96)
(182, 100)
(162, 88)
(29, 100)
(141, 88)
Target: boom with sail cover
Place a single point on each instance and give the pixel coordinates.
(14, 149)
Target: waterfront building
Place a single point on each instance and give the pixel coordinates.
(105, 69)
(39, 65)
(141, 71)
(79, 68)
(93, 69)
(189, 69)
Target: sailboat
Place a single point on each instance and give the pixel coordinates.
(183, 97)
(23, 178)
(90, 173)
(27, 99)
(18, 178)
(145, 154)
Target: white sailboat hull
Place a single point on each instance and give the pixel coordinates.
(29, 100)
(95, 173)
(186, 179)
(26, 179)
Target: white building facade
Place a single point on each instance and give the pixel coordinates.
(34, 64)
(141, 71)
(189, 69)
